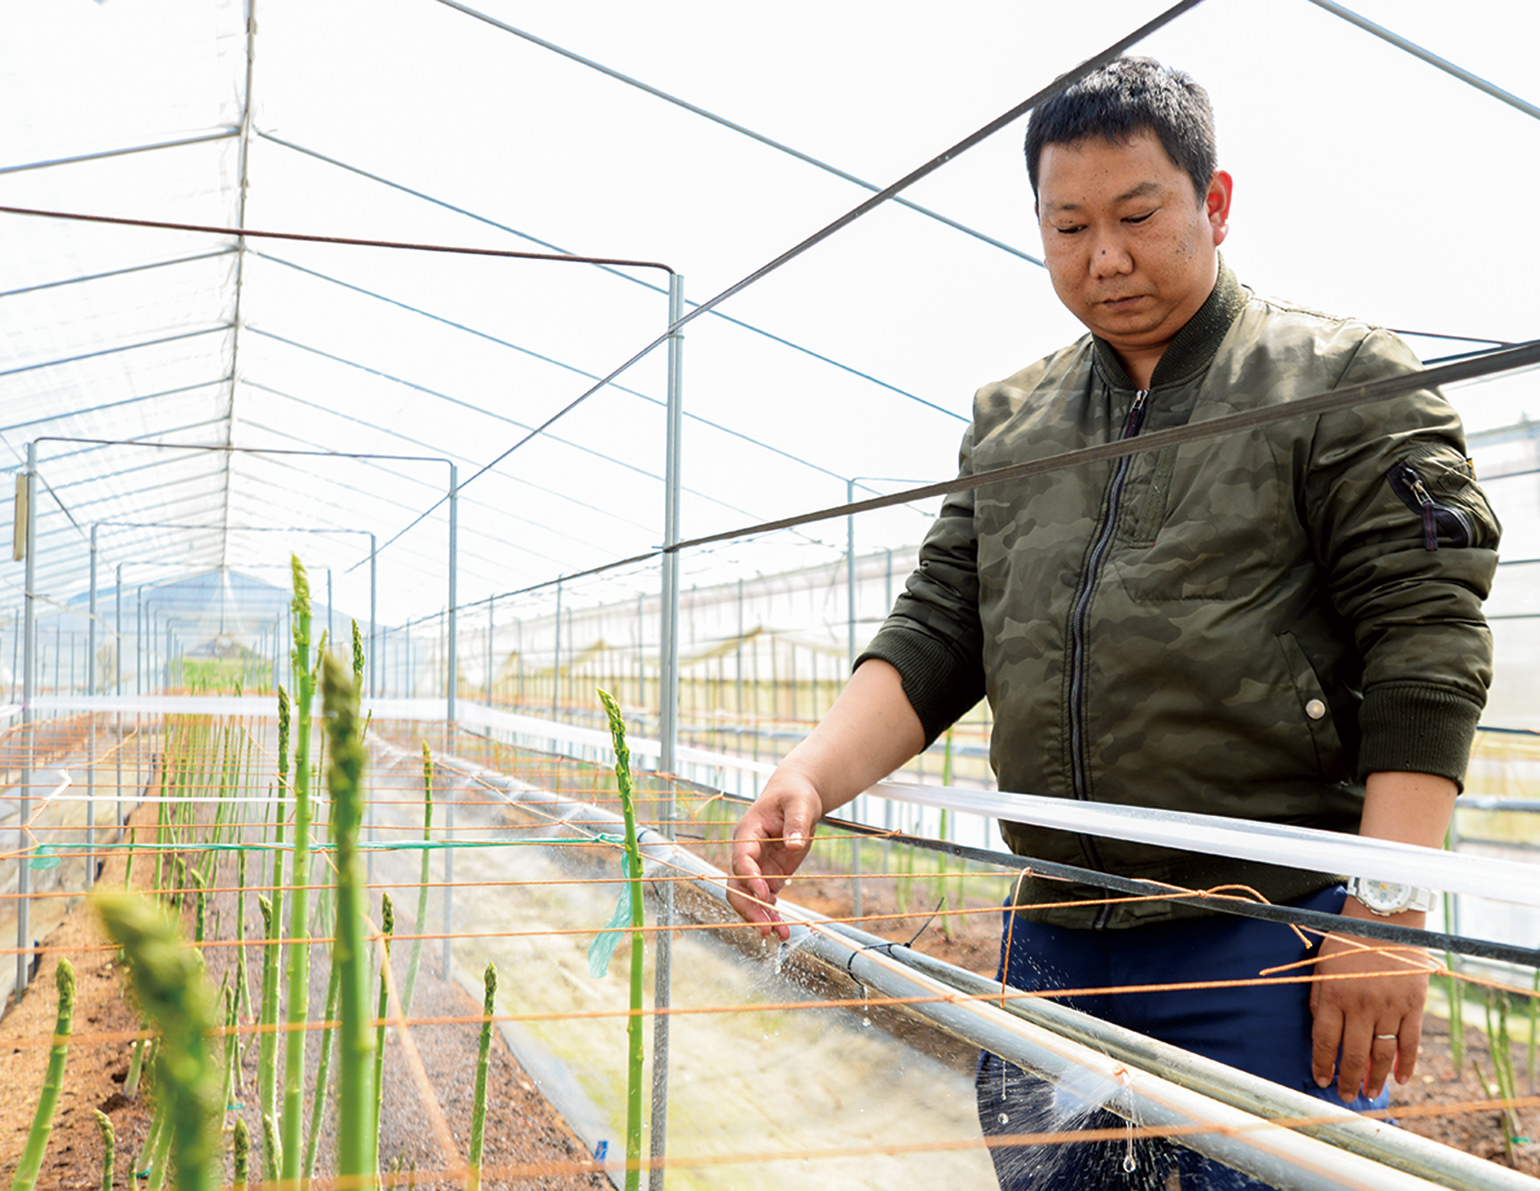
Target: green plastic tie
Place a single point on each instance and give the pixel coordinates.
(46, 857)
(605, 942)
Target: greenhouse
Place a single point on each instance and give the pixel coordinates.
(457, 450)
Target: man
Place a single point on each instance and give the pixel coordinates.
(1282, 624)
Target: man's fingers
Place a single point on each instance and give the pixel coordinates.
(753, 901)
(1406, 1050)
(1354, 1067)
(1382, 1060)
(1325, 1037)
(798, 830)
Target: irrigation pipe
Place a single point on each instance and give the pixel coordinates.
(1373, 1156)
(1366, 1136)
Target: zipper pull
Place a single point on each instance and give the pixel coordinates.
(1135, 414)
(1429, 524)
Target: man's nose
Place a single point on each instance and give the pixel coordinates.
(1109, 257)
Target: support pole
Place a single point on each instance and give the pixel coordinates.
(491, 627)
(91, 690)
(556, 655)
(454, 554)
(454, 679)
(373, 686)
(374, 632)
(668, 730)
(850, 649)
(29, 658)
(117, 667)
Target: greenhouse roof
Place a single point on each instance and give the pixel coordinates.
(204, 401)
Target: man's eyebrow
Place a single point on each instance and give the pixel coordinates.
(1141, 190)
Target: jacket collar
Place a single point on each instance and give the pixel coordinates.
(1194, 345)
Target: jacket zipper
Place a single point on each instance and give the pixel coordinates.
(1407, 483)
(1080, 615)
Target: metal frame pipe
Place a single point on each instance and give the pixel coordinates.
(91, 690)
(1365, 1136)
(668, 724)
(28, 690)
(117, 669)
(454, 569)
(453, 682)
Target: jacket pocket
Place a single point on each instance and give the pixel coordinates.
(1315, 710)
(1450, 508)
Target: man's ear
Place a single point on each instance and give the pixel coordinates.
(1216, 204)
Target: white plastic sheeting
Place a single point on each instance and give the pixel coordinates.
(410, 120)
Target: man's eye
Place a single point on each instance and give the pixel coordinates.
(1069, 231)
(1137, 218)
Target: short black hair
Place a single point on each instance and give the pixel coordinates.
(1122, 99)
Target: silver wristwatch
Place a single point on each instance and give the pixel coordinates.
(1389, 897)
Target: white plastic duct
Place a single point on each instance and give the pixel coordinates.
(1276, 843)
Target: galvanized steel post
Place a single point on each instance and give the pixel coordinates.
(454, 678)
(374, 632)
(373, 687)
(91, 690)
(856, 907)
(454, 554)
(29, 651)
(668, 729)
(117, 668)
(556, 655)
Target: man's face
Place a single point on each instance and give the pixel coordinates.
(1130, 248)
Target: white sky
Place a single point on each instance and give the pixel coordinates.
(1366, 182)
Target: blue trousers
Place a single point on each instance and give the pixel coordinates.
(1263, 1029)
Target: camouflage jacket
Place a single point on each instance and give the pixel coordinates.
(1246, 625)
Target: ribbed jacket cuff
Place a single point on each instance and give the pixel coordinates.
(1416, 729)
(930, 671)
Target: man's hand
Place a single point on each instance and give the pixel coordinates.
(769, 843)
(870, 731)
(1354, 1015)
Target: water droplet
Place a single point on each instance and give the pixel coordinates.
(865, 1021)
(1005, 1118)
(1130, 1164)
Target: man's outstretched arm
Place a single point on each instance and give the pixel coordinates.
(869, 732)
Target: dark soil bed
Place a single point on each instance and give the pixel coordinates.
(526, 1145)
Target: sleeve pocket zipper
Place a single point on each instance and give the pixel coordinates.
(1436, 517)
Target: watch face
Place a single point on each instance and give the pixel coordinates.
(1383, 897)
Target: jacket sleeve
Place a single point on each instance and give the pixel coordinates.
(933, 637)
(1407, 542)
